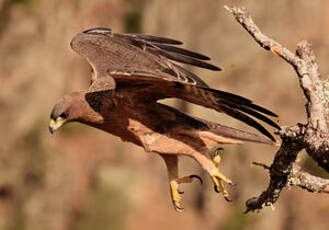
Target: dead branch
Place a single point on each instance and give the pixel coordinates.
(298, 177)
(312, 136)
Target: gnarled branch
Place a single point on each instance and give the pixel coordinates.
(312, 136)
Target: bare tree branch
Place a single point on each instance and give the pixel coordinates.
(303, 179)
(264, 166)
(312, 136)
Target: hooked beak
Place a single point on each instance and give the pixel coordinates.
(56, 124)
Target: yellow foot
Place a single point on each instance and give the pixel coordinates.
(218, 177)
(175, 192)
(216, 158)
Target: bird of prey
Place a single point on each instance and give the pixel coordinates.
(130, 73)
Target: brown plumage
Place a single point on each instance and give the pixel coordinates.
(131, 72)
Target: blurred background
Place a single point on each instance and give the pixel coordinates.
(82, 178)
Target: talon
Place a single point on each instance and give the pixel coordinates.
(220, 177)
(178, 208)
(196, 176)
(216, 189)
(227, 199)
(175, 192)
(217, 179)
(220, 189)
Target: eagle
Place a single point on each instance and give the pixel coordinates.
(130, 74)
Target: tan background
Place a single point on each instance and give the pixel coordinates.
(82, 178)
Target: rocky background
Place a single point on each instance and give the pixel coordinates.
(82, 178)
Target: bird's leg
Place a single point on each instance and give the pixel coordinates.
(216, 157)
(172, 167)
(211, 166)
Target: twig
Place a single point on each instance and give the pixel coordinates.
(303, 179)
(264, 166)
(312, 136)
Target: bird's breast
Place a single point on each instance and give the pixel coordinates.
(140, 124)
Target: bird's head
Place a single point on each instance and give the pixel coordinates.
(73, 107)
(62, 112)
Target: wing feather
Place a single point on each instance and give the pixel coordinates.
(169, 51)
(104, 49)
(152, 38)
(183, 58)
(241, 100)
(233, 105)
(182, 51)
(191, 75)
(252, 113)
(247, 120)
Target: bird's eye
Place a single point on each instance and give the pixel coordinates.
(63, 115)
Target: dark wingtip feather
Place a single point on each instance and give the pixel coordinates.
(238, 107)
(248, 120)
(161, 46)
(229, 96)
(262, 109)
(253, 113)
(152, 38)
(241, 100)
(182, 51)
(184, 59)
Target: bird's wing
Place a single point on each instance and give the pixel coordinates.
(140, 67)
(165, 47)
(104, 49)
(144, 86)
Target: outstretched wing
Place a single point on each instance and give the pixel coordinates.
(104, 49)
(147, 87)
(140, 67)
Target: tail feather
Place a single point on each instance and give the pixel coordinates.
(211, 131)
(227, 135)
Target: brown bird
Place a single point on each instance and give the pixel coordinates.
(130, 73)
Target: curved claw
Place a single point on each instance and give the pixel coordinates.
(196, 176)
(217, 151)
(227, 199)
(216, 189)
(178, 208)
